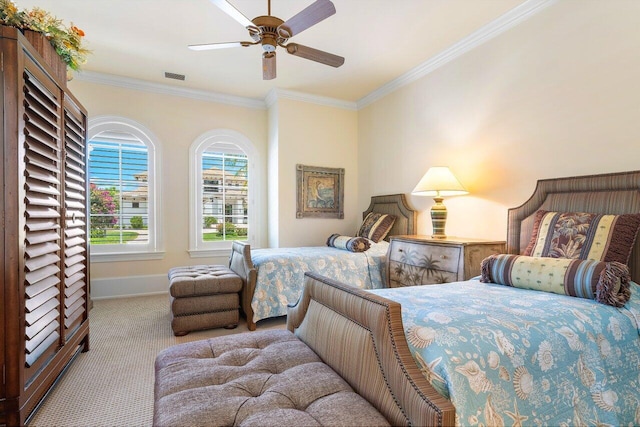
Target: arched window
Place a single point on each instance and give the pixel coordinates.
(124, 218)
(221, 192)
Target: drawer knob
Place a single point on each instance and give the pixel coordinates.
(400, 250)
(443, 256)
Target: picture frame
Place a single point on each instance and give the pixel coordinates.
(320, 192)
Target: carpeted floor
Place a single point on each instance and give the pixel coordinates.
(112, 384)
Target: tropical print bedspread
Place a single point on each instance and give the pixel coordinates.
(514, 357)
(281, 273)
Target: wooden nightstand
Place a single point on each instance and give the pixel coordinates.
(422, 260)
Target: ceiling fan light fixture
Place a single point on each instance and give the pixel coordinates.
(269, 44)
(270, 32)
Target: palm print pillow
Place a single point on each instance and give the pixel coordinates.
(580, 235)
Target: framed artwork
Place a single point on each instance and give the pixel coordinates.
(320, 192)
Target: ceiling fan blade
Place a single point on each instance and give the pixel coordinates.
(268, 65)
(228, 8)
(315, 55)
(311, 15)
(211, 46)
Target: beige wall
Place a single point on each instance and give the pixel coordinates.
(557, 95)
(313, 135)
(176, 122)
(288, 133)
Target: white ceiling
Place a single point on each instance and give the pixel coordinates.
(381, 40)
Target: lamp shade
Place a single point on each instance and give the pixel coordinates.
(437, 182)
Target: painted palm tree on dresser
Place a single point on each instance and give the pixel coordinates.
(418, 269)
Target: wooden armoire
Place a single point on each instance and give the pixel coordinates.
(44, 252)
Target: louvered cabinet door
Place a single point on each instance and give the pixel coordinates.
(75, 222)
(44, 283)
(43, 219)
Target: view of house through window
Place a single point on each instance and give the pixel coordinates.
(224, 193)
(119, 191)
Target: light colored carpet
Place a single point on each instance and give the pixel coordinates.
(112, 384)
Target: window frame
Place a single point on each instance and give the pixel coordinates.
(198, 248)
(153, 248)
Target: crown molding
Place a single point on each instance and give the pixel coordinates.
(200, 95)
(498, 26)
(237, 101)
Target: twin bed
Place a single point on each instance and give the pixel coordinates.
(475, 353)
(274, 277)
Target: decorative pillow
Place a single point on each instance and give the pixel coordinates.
(579, 235)
(605, 282)
(353, 244)
(376, 226)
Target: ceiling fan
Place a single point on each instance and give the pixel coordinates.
(271, 32)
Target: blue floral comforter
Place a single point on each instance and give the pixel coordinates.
(507, 356)
(281, 273)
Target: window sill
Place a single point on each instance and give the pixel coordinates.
(206, 253)
(125, 256)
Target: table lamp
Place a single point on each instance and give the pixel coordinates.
(439, 182)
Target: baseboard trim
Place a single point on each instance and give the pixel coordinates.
(120, 287)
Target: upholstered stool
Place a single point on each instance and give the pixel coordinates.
(203, 297)
(264, 378)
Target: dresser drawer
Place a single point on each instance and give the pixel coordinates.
(419, 260)
(413, 263)
(445, 258)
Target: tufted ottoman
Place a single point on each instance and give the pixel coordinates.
(264, 378)
(203, 297)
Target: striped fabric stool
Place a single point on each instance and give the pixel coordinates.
(203, 297)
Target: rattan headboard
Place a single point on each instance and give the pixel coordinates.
(613, 193)
(395, 204)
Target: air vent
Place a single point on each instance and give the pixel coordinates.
(174, 76)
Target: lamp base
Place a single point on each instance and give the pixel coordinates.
(438, 219)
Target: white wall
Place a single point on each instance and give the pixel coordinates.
(557, 95)
(273, 195)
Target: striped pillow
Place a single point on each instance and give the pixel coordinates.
(579, 235)
(352, 244)
(605, 282)
(376, 226)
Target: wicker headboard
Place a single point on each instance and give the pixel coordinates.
(395, 204)
(613, 193)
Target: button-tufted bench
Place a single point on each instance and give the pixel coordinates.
(203, 297)
(264, 378)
